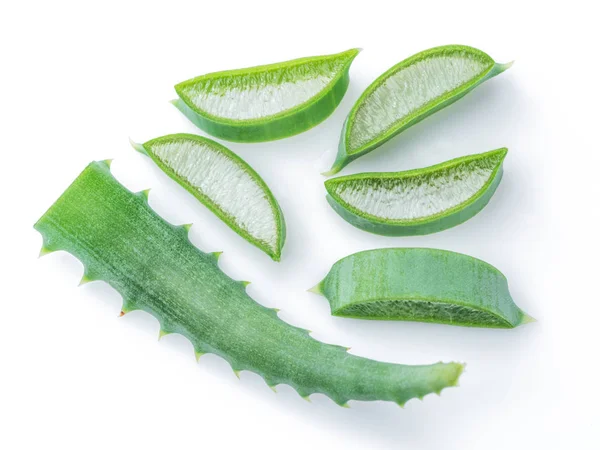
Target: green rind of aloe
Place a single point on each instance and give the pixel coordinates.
(427, 224)
(420, 284)
(289, 122)
(346, 155)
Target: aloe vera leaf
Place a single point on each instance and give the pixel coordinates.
(152, 264)
(420, 284)
(409, 92)
(266, 103)
(420, 201)
(225, 184)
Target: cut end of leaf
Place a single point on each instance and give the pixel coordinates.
(317, 289)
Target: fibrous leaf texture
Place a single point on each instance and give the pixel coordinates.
(223, 182)
(420, 201)
(268, 102)
(420, 284)
(122, 241)
(409, 92)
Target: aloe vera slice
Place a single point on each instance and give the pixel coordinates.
(418, 201)
(152, 264)
(225, 184)
(268, 102)
(409, 92)
(420, 284)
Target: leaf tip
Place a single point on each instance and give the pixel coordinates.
(505, 66)
(138, 147)
(331, 171)
(527, 319)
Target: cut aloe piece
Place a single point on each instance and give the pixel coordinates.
(269, 102)
(420, 284)
(418, 201)
(408, 93)
(225, 184)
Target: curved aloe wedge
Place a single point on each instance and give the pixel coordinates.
(122, 241)
(418, 201)
(408, 93)
(420, 284)
(225, 184)
(269, 102)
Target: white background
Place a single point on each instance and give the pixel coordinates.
(79, 78)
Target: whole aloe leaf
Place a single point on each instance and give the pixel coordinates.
(152, 263)
(409, 92)
(268, 102)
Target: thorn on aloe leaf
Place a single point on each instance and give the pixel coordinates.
(44, 251)
(237, 373)
(317, 289)
(162, 333)
(187, 226)
(245, 283)
(85, 279)
(108, 162)
(198, 355)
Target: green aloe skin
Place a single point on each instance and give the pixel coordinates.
(420, 284)
(266, 103)
(409, 92)
(420, 201)
(121, 240)
(225, 184)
